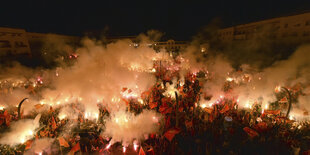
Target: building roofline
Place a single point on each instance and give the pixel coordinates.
(272, 18)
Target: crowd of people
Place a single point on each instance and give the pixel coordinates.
(186, 126)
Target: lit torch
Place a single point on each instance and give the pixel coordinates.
(124, 149)
(135, 145)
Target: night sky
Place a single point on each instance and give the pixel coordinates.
(177, 19)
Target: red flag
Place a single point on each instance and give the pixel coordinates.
(252, 133)
(43, 133)
(124, 89)
(51, 110)
(164, 108)
(273, 112)
(28, 144)
(226, 108)
(167, 121)
(141, 151)
(262, 126)
(2, 119)
(208, 110)
(153, 105)
(38, 106)
(283, 100)
(54, 123)
(63, 142)
(171, 133)
(189, 124)
(126, 101)
(215, 112)
(306, 152)
(7, 118)
(75, 148)
(181, 109)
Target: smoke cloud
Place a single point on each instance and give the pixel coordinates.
(21, 131)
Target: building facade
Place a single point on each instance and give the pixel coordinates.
(13, 42)
(294, 28)
(18, 42)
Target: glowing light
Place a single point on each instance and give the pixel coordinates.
(229, 79)
(108, 146)
(115, 99)
(203, 105)
(248, 105)
(30, 132)
(291, 117)
(170, 92)
(1, 108)
(259, 119)
(61, 117)
(135, 146)
(129, 95)
(203, 50)
(278, 89)
(155, 119)
(124, 149)
(22, 140)
(153, 70)
(140, 101)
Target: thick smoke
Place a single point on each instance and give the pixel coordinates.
(104, 74)
(252, 84)
(288, 73)
(21, 131)
(14, 97)
(100, 74)
(125, 127)
(41, 145)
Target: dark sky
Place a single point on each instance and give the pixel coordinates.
(178, 19)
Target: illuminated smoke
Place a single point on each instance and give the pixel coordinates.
(125, 127)
(21, 131)
(41, 145)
